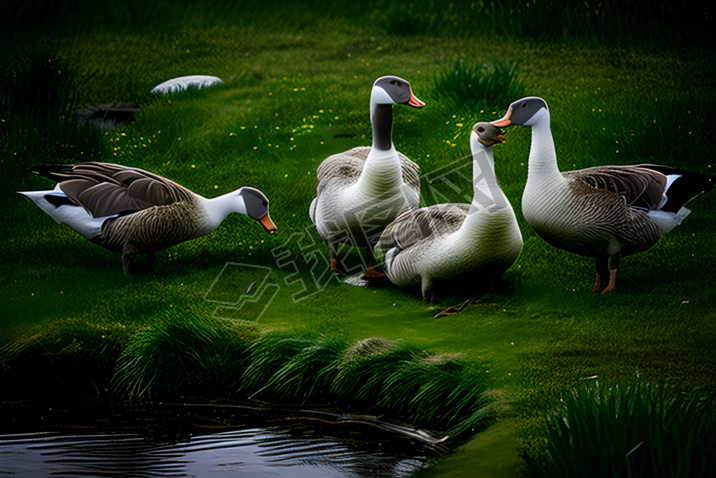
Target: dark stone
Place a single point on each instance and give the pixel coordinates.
(109, 116)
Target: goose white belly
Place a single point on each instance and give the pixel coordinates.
(351, 216)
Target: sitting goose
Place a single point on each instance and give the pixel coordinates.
(134, 211)
(604, 212)
(472, 243)
(360, 191)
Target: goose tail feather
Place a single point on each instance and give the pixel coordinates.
(682, 186)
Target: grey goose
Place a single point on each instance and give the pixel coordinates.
(603, 212)
(445, 243)
(134, 211)
(360, 191)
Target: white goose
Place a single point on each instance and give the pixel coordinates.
(604, 212)
(470, 243)
(134, 211)
(362, 190)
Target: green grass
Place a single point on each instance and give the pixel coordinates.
(296, 90)
(473, 86)
(632, 430)
(205, 359)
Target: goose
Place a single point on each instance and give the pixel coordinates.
(133, 211)
(602, 212)
(360, 191)
(472, 243)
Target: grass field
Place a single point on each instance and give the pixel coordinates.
(623, 87)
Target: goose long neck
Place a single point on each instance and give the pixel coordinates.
(543, 156)
(488, 195)
(382, 172)
(490, 216)
(217, 209)
(381, 119)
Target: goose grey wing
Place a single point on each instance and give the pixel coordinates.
(346, 166)
(415, 225)
(106, 189)
(641, 187)
(410, 172)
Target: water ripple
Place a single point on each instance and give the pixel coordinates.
(292, 451)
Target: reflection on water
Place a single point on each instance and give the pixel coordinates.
(215, 443)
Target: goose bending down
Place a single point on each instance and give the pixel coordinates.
(473, 243)
(603, 212)
(134, 211)
(360, 191)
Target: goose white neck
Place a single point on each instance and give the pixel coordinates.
(490, 216)
(381, 173)
(487, 193)
(543, 156)
(218, 208)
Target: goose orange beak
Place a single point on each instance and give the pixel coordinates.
(505, 120)
(267, 223)
(414, 102)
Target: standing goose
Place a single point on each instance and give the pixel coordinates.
(360, 191)
(472, 243)
(604, 212)
(134, 211)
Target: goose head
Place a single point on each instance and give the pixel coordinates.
(256, 206)
(526, 112)
(390, 90)
(485, 135)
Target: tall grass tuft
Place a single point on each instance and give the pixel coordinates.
(177, 354)
(475, 84)
(184, 356)
(273, 372)
(306, 376)
(636, 430)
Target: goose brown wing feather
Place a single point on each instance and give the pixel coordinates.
(410, 171)
(105, 199)
(640, 187)
(350, 164)
(105, 189)
(415, 225)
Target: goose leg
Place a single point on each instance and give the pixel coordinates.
(128, 253)
(371, 273)
(614, 265)
(602, 268)
(427, 289)
(332, 254)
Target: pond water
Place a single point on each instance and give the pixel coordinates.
(201, 442)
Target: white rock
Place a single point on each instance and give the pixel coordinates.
(184, 82)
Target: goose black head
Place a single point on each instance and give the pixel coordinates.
(397, 91)
(522, 111)
(257, 206)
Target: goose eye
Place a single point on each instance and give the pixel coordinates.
(524, 105)
(481, 129)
